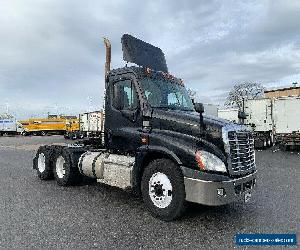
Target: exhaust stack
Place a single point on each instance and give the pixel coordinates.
(108, 56)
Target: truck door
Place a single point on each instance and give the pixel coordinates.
(123, 120)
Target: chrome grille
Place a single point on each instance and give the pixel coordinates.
(241, 150)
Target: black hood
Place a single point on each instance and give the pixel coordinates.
(188, 122)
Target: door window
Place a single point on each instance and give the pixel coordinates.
(124, 96)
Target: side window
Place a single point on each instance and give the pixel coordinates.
(176, 98)
(124, 96)
(172, 99)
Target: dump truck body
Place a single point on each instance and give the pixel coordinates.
(55, 125)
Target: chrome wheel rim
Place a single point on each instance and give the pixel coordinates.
(160, 190)
(41, 162)
(60, 167)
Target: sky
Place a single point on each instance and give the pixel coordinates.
(52, 54)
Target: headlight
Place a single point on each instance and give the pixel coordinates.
(208, 161)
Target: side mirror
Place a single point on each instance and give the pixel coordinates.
(242, 115)
(199, 108)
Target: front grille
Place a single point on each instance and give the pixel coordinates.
(241, 150)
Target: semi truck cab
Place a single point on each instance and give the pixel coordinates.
(157, 142)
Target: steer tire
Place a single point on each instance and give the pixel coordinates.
(43, 164)
(176, 204)
(67, 159)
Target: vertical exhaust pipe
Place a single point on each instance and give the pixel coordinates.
(107, 57)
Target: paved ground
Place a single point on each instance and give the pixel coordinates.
(41, 214)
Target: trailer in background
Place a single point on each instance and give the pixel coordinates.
(90, 126)
(210, 109)
(259, 118)
(229, 114)
(286, 118)
(9, 126)
(92, 123)
(54, 124)
(275, 120)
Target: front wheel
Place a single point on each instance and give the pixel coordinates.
(163, 189)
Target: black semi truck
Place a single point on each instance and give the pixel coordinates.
(157, 142)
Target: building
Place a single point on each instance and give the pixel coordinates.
(288, 91)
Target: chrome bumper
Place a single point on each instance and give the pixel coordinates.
(210, 192)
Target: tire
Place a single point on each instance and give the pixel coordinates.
(264, 143)
(24, 133)
(43, 133)
(272, 141)
(65, 167)
(163, 189)
(73, 136)
(43, 163)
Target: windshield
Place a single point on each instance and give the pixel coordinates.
(166, 94)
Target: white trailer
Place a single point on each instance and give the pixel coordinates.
(9, 126)
(210, 109)
(286, 118)
(92, 123)
(229, 114)
(259, 118)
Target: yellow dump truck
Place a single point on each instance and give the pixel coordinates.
(73, 129)
(51, 125)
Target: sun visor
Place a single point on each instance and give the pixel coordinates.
(143, 54)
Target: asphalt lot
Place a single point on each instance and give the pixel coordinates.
(41, 214)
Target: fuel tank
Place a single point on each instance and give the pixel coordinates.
(112, 169)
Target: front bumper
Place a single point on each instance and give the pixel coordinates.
(206, 192)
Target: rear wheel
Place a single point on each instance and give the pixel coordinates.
(24, 133)
(74, 136)
(43, 164)
(163, 189)
(64, 172)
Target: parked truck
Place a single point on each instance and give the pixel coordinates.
(9, 125)
(90, 126)
(260, 119)
(272, 120)
(73, 129)
(210, 109)
(286, 120)
(156, 142)
(229, 114)
(53, 124)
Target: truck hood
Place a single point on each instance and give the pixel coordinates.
(188, 122)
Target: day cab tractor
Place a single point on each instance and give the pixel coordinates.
(157, 142)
